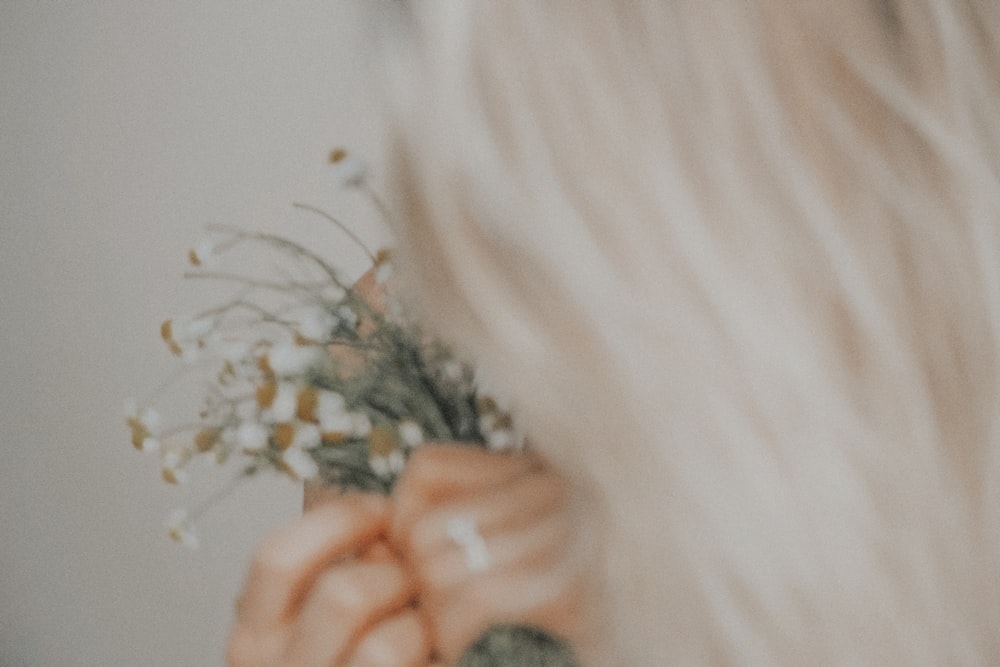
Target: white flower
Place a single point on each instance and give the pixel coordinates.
(187, 330)
(150, 445)
(388, 465)
(145, 426)
(181, 529)
(410, 433)
(300, 463)
(396, 461)
(361, 424)
(329, 404)
(150, 418)
(380, 466)
(347, 170)
(487, 421)
(283, 406)
(317, 323)
(290, 359)
(203, 253)
(187, 336)
(173, 460)
(336, 422)
(505, 439)
(190, 354)
(307, 436)
(252, 436)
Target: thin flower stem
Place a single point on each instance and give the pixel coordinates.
(219, 495)
(349, 293)
(344, 228)
(383, 210)
(285, 244)
(354, 344)
(181, 428)
(265, 314)
(235, 277)
(219, 310)
(227, 245)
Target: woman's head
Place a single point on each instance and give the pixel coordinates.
(738, 267)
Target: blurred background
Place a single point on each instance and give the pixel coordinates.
(125, 128)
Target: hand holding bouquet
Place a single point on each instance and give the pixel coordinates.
(333, 383)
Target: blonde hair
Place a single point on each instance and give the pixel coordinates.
(737, 267)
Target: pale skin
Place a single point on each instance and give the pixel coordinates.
(365, 581)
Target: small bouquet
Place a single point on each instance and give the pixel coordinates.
(309, 375)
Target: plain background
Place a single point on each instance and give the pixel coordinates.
(125, 127)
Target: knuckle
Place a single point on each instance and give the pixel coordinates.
(271, 560)
(419, 475)
(400, 645)
(342, 590)
(359, 587)
(421, 459)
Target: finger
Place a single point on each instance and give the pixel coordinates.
(286, 562)
(448, 469)
(552, 601)
(247, 648)
(522, 502)
(342, 603)
(435, 474)
(399, 641)
(377, 552)
(538, 547)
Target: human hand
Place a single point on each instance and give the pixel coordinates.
(325, 590)
(495, 539)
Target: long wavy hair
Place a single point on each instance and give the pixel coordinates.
(736, 265)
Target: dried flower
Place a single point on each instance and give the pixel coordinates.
(300, 463)
(145, 426)
(283, 403)
(289, 359)
(306, 436)
(410, 433)
(181, 529)
(309, 379)
(173, 461)
(187, 337)
(347, 170)
(252, 436)
(203, 253)
(317, 324)
(361, 425)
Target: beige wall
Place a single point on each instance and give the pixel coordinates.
(124, 127)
